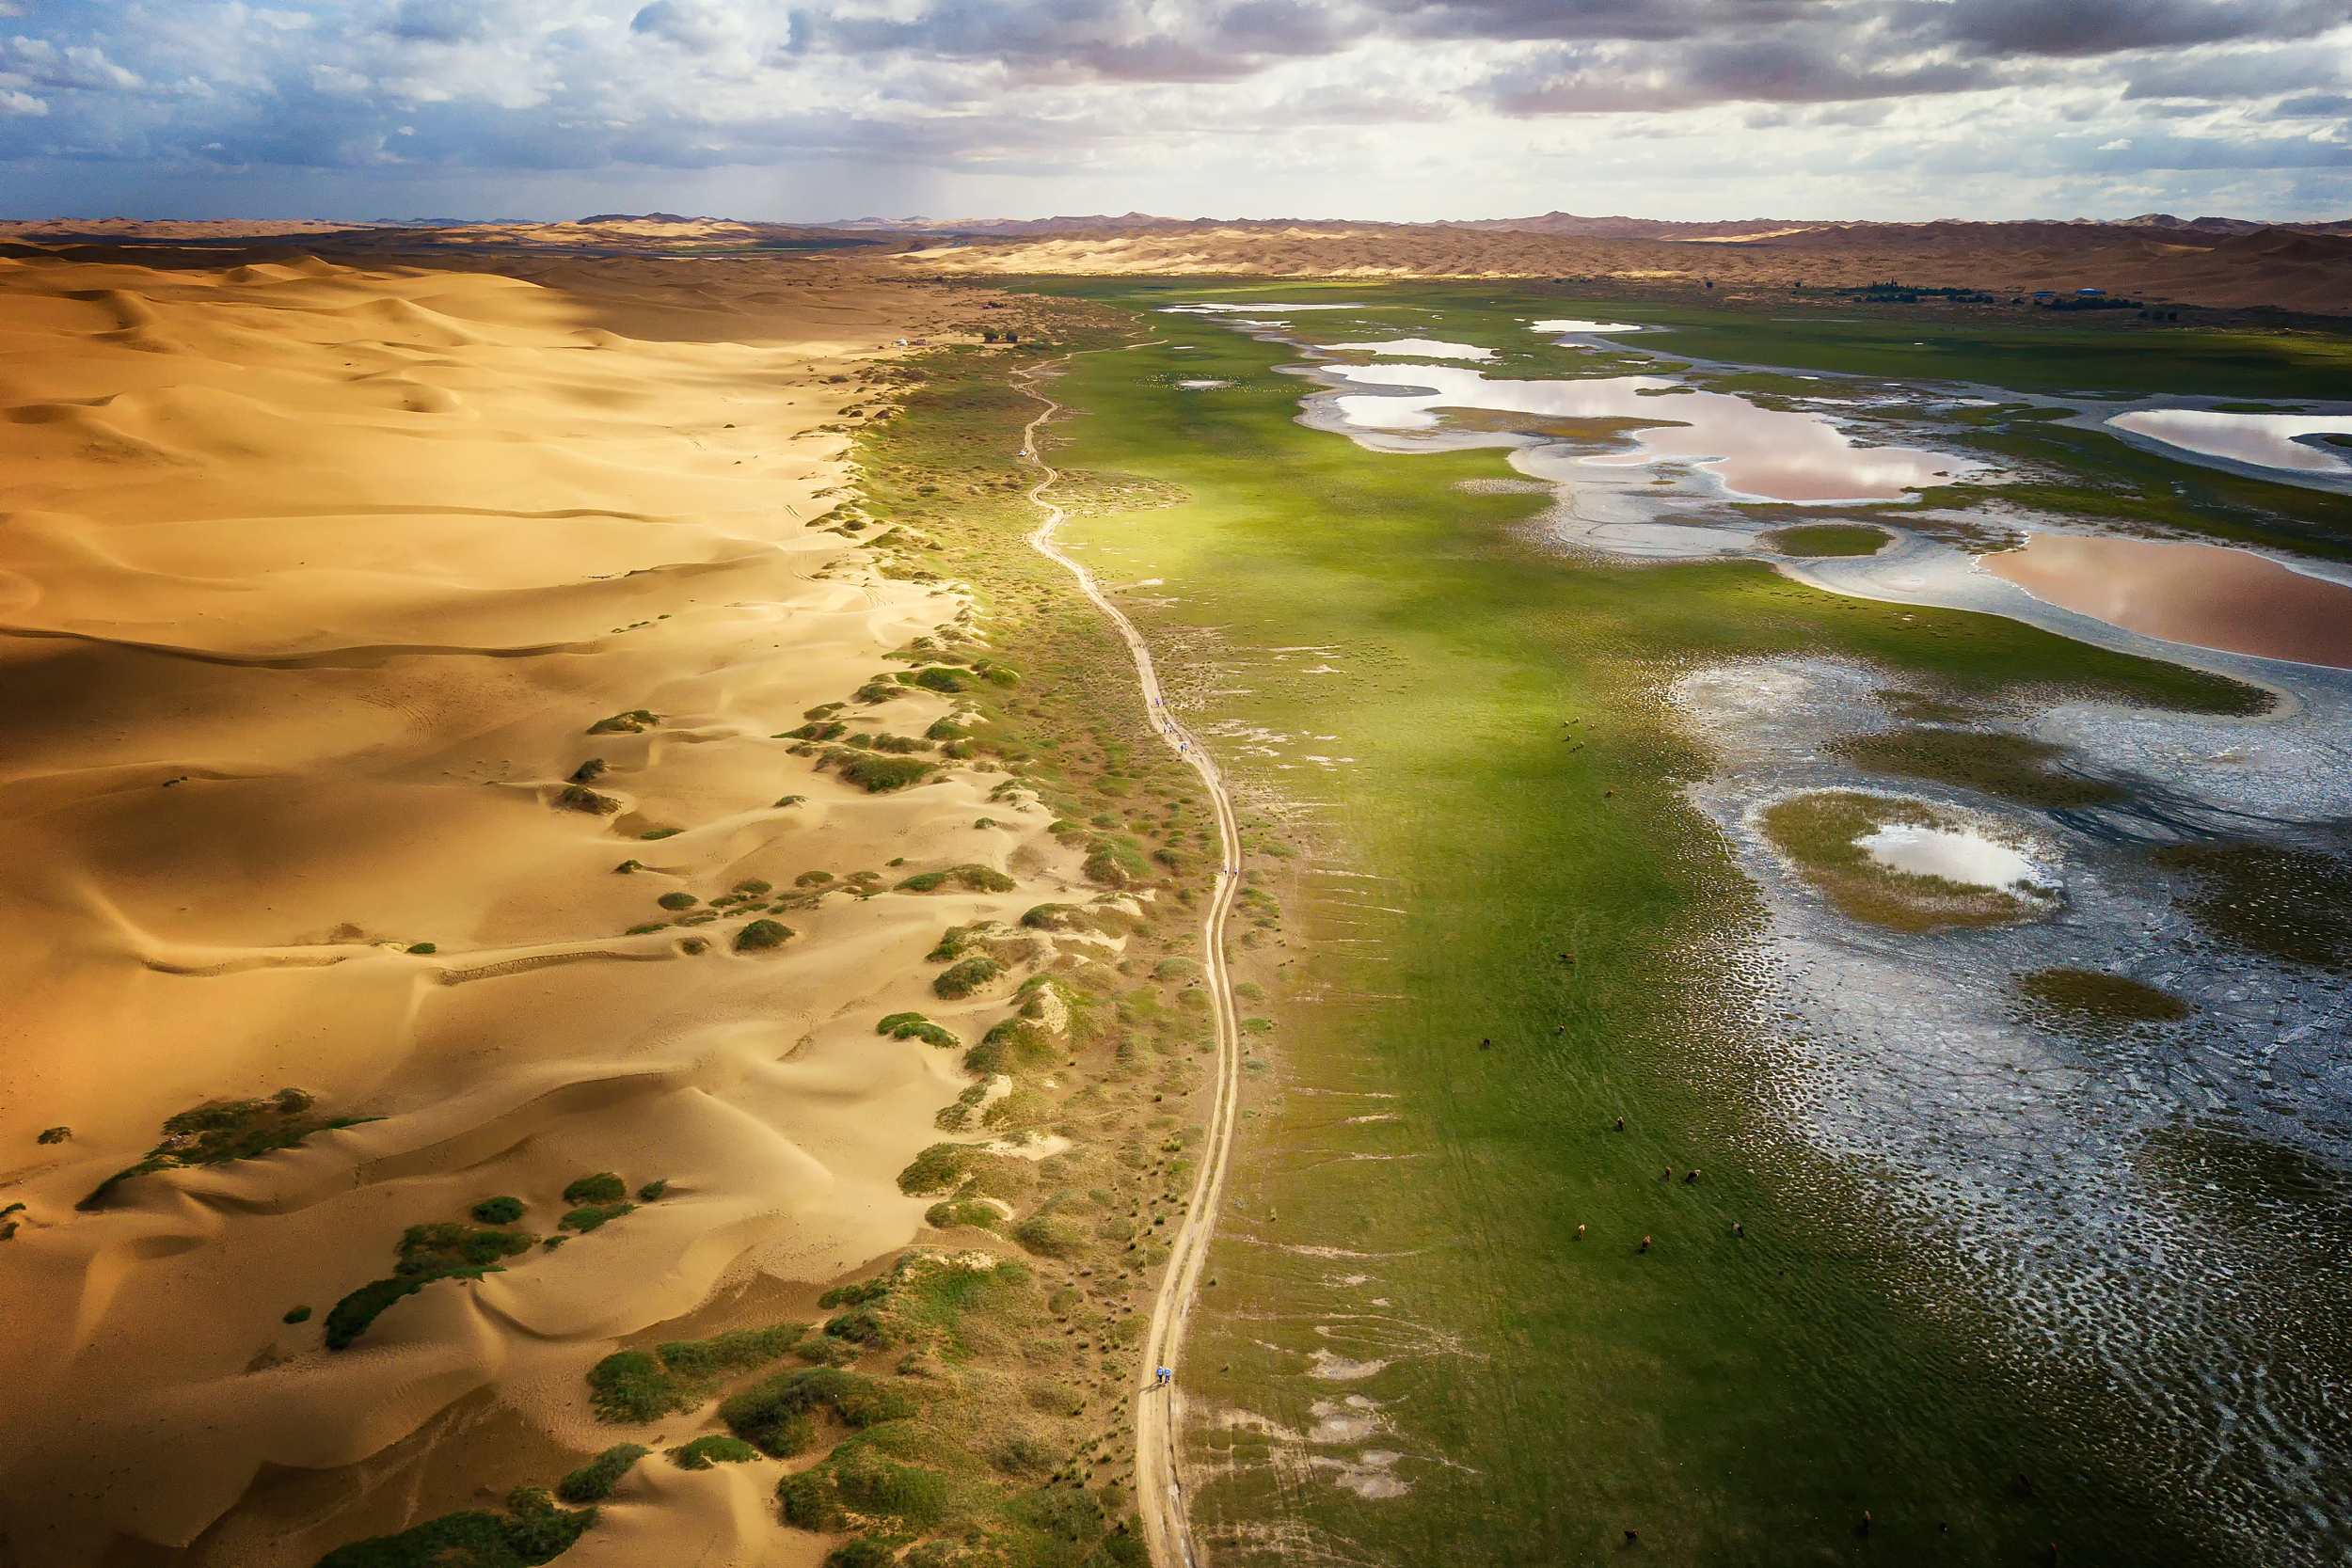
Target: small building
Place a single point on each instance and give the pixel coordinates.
(2081, 293)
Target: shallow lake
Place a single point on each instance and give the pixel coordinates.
(2201, 595)
(2265, 440)
(1767, 453)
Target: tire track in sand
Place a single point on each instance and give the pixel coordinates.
(1159, 1481)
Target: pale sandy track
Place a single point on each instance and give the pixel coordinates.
(1159, 1483)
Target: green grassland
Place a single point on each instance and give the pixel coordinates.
(1736, 1398)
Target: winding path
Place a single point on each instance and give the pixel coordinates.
(1159, 1483)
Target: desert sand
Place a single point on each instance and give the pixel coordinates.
(313, 581)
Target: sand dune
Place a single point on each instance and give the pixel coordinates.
(2269, 267)
(312, 583)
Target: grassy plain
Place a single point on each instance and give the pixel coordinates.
(1526, 948)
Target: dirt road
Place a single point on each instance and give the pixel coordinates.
(1159, 1484)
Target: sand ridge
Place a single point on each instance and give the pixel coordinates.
(313, 580)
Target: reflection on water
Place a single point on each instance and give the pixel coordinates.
(1764, 452)
(2265, 440)
(1581, 326)
(1427, 348)
(1955, 854)
(2201, 595)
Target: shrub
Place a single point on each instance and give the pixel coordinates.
(580, 797)
(678, 900)
(966, 977)
(217, 1135)
(821, 729)
(499, 1211)
(54, 1134)
(352, 1316)
(874, 1485)
(941, 679)
(626, 866)
(651, 1192)
(444, 1246)
(899, 745)
(1057, 918)
(296, 1315)
(1051, 1236)
(867, 1551)
(538, 1532)
(1065, 1512)
(754, 888)
(589, 1216)
(812, 1502)
(594, 1481)
(762, 1414)
(790, 800)
(604, 1187)
(880, 774)
(703, 1453)
(760, 935)
(937, 1169)
(738, 1350)
(812, 879)
(946, 729)
(1174, 968)
(915, 1026)
(925, 881)
(424, 949)
(635, 721)
(589, 771)
(645, 929)
(948, 1215)
(661, 832)
(629, 1386)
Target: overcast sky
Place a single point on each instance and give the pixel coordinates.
(1391, 110)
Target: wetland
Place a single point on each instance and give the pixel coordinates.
(1907, 1173)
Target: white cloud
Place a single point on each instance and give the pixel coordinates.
(1389, 108)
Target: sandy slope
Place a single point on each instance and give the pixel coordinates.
(2275, 267)
(310, 583)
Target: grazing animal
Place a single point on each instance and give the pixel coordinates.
(1621, 1124)
(1646, 1243)
(1580, 1232)
(1688, 1180)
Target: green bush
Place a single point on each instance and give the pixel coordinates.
(54, 1134)
(661, 832)
(1065, 1512)
(898, 745)
(424, 949)
(626, 866)
(296, 1315)
(1051, 1236)
(444, 1245)
(915, 1026)
(873, 1485)
(472, 1538)
(678, 900)
(965, 976)
(790, 800)
(635, 721)
(594, 1481)
(642, 931)
(763, 1415)
(812, 1502)
(651, 1192)
(819, 730)
(926, 882)
(867, 1551)
(1174, 968)
(630, 1386)
(589, 1216)
(604, 1187)
(738, 1350)
(937, 1169)
(946, 729)
(580, 798)
(880, 774)
(499, 1211)
(761, 935)
(537, 1530)
(948, 1215)
(703, 1453)
(217, 1135)
(351, 1317)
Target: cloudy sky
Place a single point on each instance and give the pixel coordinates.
(1249, 108)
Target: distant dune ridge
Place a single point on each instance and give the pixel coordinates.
(313, 580)
(2213, 262)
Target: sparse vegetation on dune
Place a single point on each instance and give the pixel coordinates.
(531, 1531)
(217, 1134)
(640, 1387)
